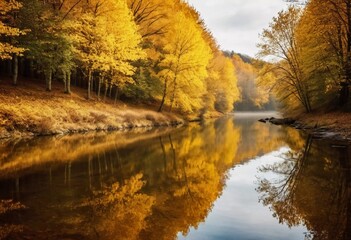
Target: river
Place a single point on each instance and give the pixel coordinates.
(229, 178)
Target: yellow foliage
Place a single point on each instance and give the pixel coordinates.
(106, 39)
(184, 63)
(8, 49)
(120, 210)
(222, 90)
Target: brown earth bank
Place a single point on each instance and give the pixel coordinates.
(330, 125)
(335, 125)
(28, 110)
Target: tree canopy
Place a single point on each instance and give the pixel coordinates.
(311, 47)
(151, 51)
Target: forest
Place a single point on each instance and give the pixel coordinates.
(161, 53)
(125, 50)
(133, 49)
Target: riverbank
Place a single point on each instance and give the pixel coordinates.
(331, 125)
(28, 110)
(334, 125)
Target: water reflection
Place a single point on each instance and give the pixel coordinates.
(150, 185)
(313, 189)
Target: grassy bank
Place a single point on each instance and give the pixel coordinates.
(27, 110)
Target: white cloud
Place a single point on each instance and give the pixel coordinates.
(236, 24)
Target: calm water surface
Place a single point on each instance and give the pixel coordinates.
(230, 178)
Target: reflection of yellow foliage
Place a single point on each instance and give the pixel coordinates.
(121, 210)
(184, 172)
(202, 155)
(40, 151)
(258, 139)
(9, 205)
(7, 229)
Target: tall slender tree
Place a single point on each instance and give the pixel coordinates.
(279, 42)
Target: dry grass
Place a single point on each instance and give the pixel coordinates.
(29, 110)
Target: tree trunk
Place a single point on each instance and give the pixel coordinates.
(106, 88)
(92, 83)
(68, 78)
(89, 83)
(110, 92)
(99, 87)
(116, 95)
(64, 81)
(163, 97)
(15, 70)
(173, 95)
(48, 79)
(344, 94)
(348, 47)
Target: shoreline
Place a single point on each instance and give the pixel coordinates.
(333, 126)
(28, 111)
(6, 135)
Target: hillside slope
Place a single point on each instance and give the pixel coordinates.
(28, 110)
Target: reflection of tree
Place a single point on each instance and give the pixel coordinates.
(194, 165)
(184, 173)
(258, 139)
(20, 156)
(119, 211)
(7, 229)
(312, 189)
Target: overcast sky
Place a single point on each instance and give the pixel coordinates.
(236, 24)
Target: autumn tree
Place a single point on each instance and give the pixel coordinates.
(7, 48)
(152, 20)
(325, 39)
(279, 42)
(47, 41)
(150, 16)
(184, 65)
(8, 32)
(106, 42)
(253, 96)
(222, 90)
(136, 49)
